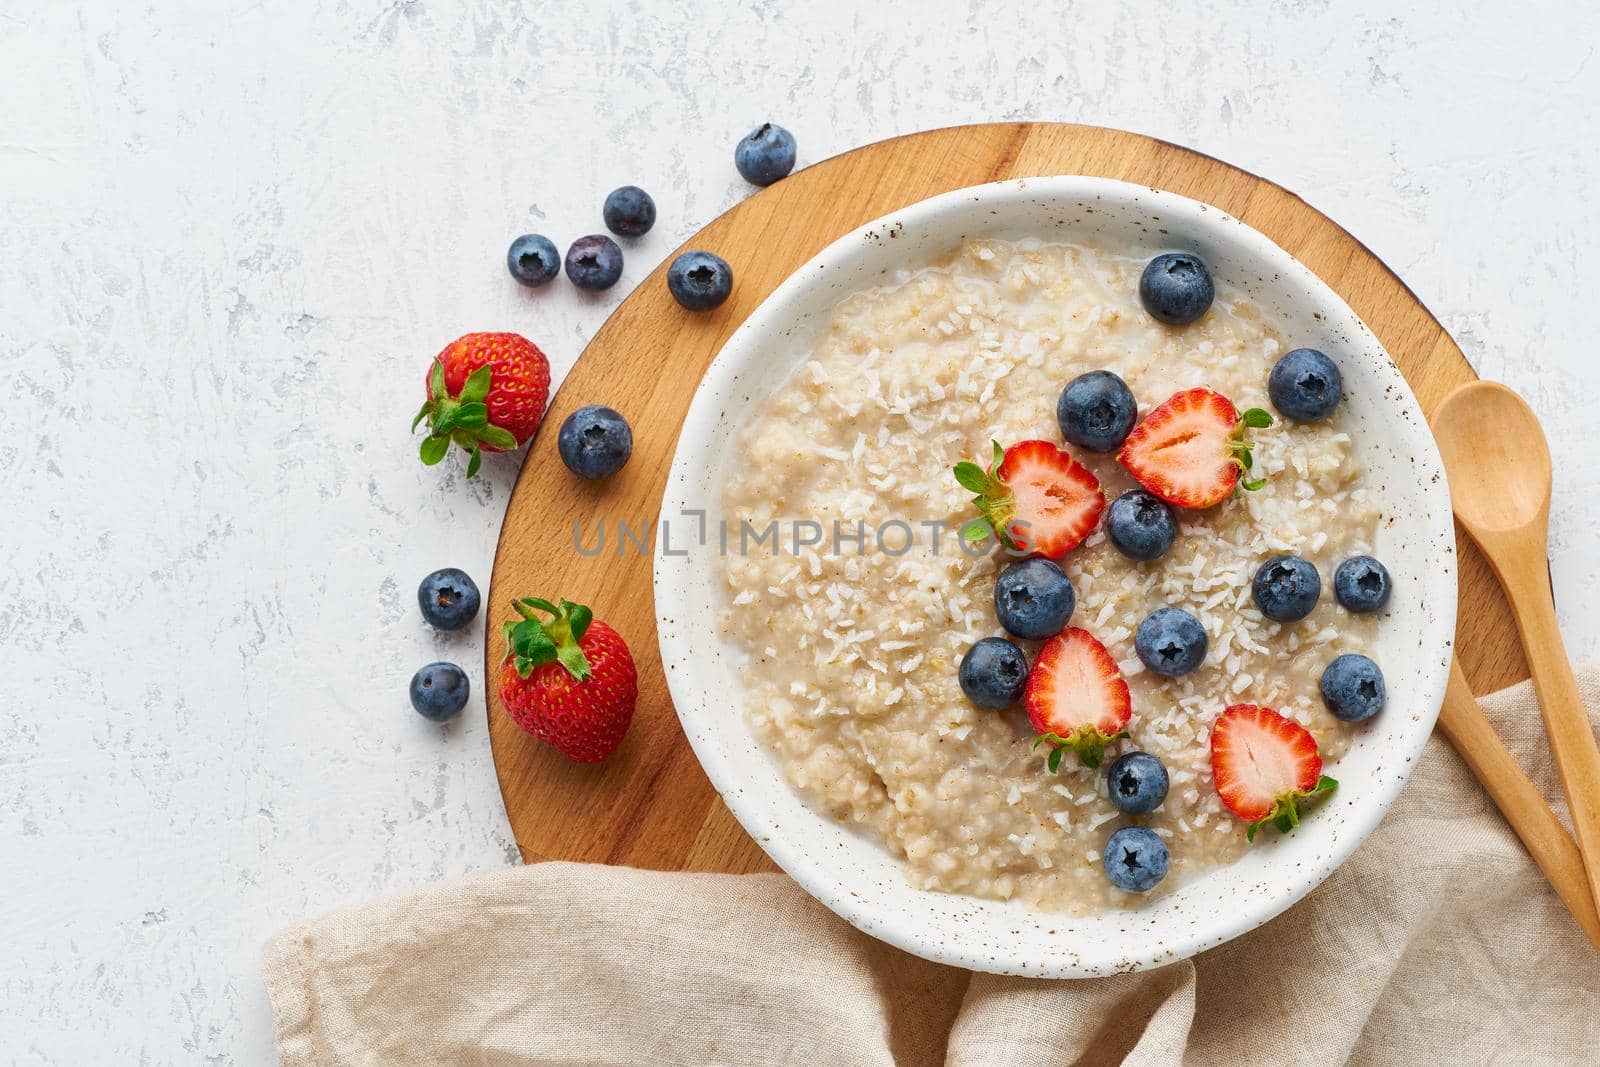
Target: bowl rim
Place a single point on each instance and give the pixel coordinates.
(817, 878)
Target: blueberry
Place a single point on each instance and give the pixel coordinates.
(629, 212)
(1140, 525)
(595, 442)
(533, 260)
(1034, 599)
(1305, 385)
(1286, 588)
(594, 262)
(1352, 687)
(699, 281)
(1170, 641)
(1135, 859)
(1096, 411)
(1137, 783)
(993, 673)
(1362, 584)
(1176, 288)
(765, 155)
(439, 691)
(448, 599)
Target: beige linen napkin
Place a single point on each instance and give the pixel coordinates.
(1437, 942)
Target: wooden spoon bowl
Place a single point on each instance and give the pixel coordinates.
(1497, 461)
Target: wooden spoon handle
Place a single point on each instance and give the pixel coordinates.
(1547, 841)
(1526, 579)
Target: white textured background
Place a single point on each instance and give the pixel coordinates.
(233, 233)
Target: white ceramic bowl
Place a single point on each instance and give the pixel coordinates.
(857, 877)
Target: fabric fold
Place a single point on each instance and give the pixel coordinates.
(1437, 942)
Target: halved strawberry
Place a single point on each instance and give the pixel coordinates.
(1034, 497)
(1192, 450)
(1264, 765)
(1076, 697)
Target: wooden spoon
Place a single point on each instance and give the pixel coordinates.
(1498, 463)
(1547, 841)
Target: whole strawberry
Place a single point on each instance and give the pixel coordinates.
(568, 680)
(486, 392)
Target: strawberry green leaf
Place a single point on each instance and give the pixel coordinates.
(433, 449)
(1088, 742)
(972, 477)
(1257, 418)
(473, 416)
(535, 641)
(529, 641)
(436, 381)
(1240, 444)
(495, 437)
(573, 659)
(993, 499)
(1092, 747)
(422, 413)
(476, 386)
(475, 461)
(578, 619)
(976, 530)
(1285, 814)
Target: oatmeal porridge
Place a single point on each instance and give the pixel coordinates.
(851, 645)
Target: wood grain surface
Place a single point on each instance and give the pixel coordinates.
(650, 805)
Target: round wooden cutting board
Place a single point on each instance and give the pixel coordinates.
(650, 805)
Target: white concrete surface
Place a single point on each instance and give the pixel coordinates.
(233, 233)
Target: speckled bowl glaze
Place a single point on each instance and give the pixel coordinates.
(857, 877)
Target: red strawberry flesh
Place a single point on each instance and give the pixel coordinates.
(1076, 696)
(1191, 450)
(1037, 498)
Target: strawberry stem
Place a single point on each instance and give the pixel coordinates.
(1240, 444)
(1285, 813)
(1087, 741)
(534, 641)
(991, 496)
